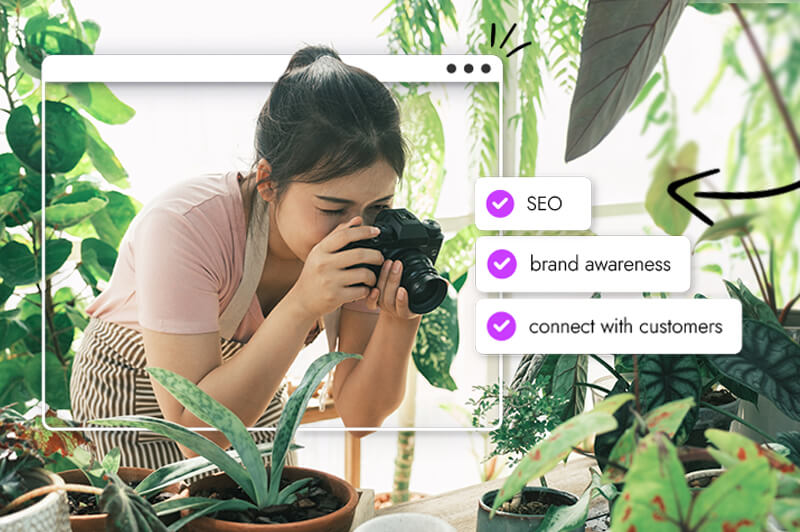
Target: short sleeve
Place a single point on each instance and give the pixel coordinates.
(360, 306)
(177, 290)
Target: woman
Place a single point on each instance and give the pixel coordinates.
(223, 279)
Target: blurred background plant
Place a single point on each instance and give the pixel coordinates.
(86, 212)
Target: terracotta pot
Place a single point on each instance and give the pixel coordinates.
(338, 521)
(97, 522)
(511, 522)
(50, 513)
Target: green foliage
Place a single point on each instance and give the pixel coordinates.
(528, 416)
(668, 214)
(250, 475)
(79, 213)
(768, 363)
(559, 444)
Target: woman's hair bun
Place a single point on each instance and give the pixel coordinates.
(306, 56)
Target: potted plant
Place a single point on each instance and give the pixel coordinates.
(24, 452)
(243, 496)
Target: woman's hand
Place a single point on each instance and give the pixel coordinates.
(388, 294)
(323, 285)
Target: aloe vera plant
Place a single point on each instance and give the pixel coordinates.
(248, 470)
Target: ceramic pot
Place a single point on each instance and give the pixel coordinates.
(97, 522)
(50, 514)
(404, 521)
(511, 522)
(338, 521)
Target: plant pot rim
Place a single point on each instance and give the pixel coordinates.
(486, 508)
(126, 474)
(50, 498)
(316, 523)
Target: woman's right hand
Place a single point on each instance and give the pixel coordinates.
(323, 285)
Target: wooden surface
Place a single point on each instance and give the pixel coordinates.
(460, 507)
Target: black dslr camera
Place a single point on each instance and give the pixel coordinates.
(403, 237)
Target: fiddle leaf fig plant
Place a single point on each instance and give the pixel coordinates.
(250, 475)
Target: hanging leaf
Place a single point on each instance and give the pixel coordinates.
(570, 370)
(437, 342)
(668, 214)
(618, 54)
(98, 257)
(734, 225)
(103, 157)
(62, 215)
(112, 222)
(9, 202)
(17, 264)
(58, 250)
(100, 102)
(768, 363)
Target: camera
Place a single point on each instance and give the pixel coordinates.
(416, 244)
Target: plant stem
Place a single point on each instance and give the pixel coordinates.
(773, 87)
(595, 386)
(760, 432)
(788, 308)
(44, 490)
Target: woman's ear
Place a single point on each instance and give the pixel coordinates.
(266, 186)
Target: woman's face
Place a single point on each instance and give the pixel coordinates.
(307, 212)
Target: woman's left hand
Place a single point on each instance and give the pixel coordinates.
(388, 295)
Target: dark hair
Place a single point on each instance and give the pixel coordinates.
(325, 119)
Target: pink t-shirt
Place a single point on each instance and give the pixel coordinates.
(181, 261)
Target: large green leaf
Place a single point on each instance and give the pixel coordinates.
(768, 363)
(17, 264)
(656, 494)
(98, 257)
(720, 505)
(569, 371)
(65, 131)
(437, 342)
(667, 378)
(46, 35)
(191, 440)
(293, 413)
(57, 250)
(128, 511)
(63, 215)
(112, 222)
(667, 213)
(100, 102)
(752, 307)
(559, 444)
(210, 411)
(104, 158)
(621, 44)
(64, 331)
(13, 388)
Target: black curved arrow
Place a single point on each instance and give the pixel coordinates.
(673, 187)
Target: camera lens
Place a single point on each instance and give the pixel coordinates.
(426, 288)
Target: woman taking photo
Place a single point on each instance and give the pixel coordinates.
(224, 278)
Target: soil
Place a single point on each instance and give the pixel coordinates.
(312, 501)
(533, 503)
(719, 397)
(86, 503)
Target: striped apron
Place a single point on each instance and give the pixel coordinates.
(109, 377)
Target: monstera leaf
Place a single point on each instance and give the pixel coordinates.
(621, 44)
(768, 363)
